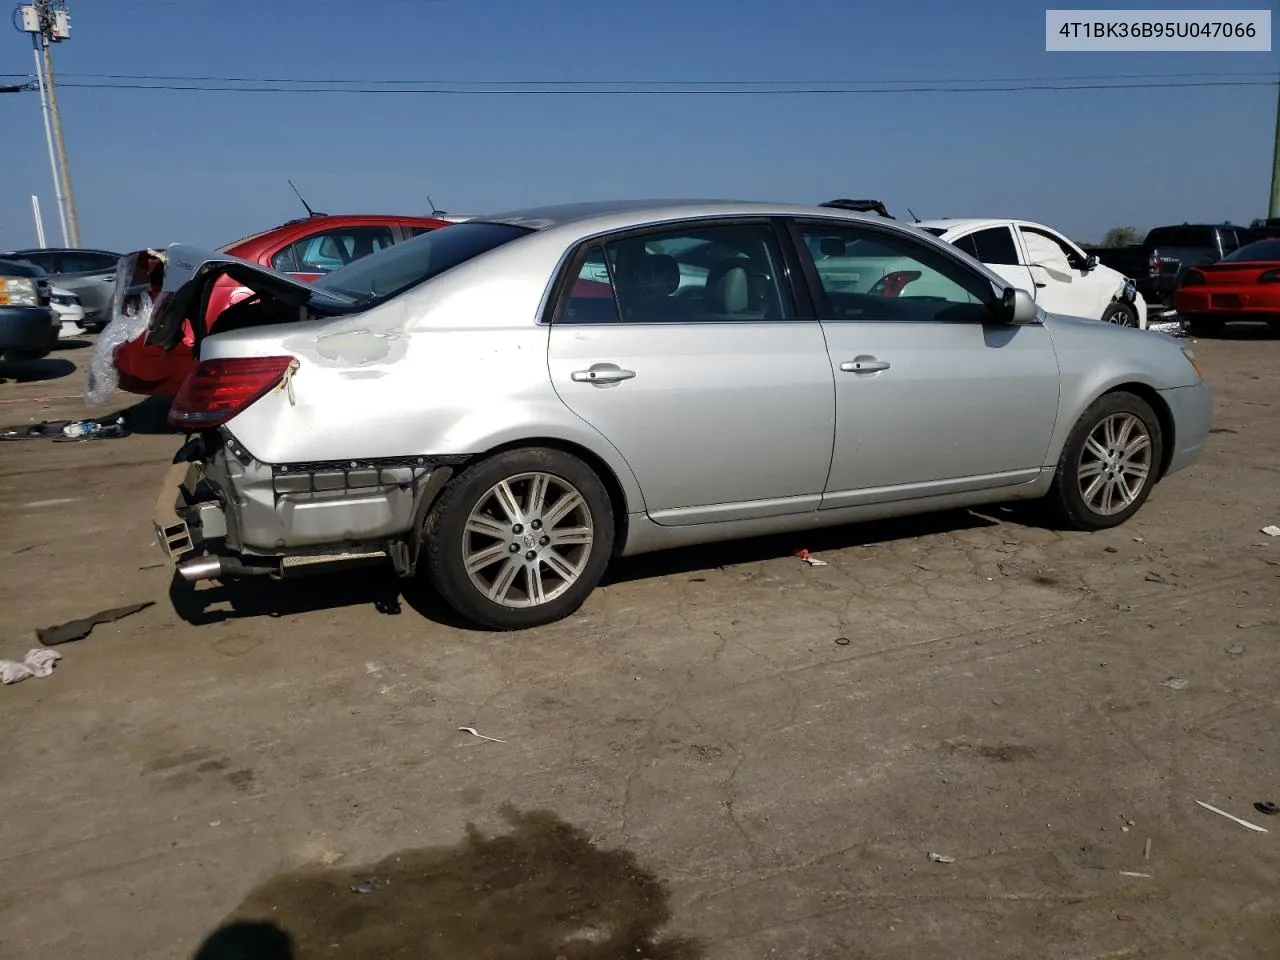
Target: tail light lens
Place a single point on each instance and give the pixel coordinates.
(1193, 278)
(1271, 276)
(217, 390)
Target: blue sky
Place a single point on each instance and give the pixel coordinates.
(153, 167)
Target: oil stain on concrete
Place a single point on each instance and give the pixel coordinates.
(539, 892)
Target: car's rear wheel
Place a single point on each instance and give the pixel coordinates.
(1109, 464)
(1121, 314)
(520, 539)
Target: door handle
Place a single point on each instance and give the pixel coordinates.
(864, 364)
(1042, 285)
(602, 374)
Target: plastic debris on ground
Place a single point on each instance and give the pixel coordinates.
(66, 430)
(38, 663)
(1172, 327)
(1175, 683)
(941, 858)
(1134, 873)
(1232, 817)
(809, 558)
(79, 629)
(1235, 650)
(366, 886)
(475, 733)
(1271, 531)
(128, 322)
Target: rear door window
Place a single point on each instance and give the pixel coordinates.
(993, 245)
(85, 262)
(1181, 237)
(332, 249)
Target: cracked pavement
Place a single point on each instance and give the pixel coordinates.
(781, 746)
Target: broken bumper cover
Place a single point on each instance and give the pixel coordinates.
(222, 512)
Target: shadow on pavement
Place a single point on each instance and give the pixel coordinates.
(541, 891)
(377, 586)
(35, 371)
(1245, 331)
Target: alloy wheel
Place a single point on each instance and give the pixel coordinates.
(1115, 464)
(528, 539)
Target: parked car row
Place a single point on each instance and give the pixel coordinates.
(507, 404)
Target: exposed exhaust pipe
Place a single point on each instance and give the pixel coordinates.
(216, 568)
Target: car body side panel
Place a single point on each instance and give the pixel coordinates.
(1095, 358)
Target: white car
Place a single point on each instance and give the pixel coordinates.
(70, 311)
(1063, 279)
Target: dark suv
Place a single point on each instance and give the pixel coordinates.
(89, 274)
(28, 325)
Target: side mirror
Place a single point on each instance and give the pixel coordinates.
(1090, 261)
(1018, 307)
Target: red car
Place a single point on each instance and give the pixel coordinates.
(1243, 285)
(307, 249)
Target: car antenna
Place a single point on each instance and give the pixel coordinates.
(310, 212)
(913, 215)
(435, 211)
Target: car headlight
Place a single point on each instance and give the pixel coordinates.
(18, 292)
(1191, 359)
(65, 299)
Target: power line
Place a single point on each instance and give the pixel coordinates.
(510, 88)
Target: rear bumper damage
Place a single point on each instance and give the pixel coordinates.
(222, 513)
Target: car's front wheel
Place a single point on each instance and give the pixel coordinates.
(520, 539)
(1121, 314)
(1109, 463)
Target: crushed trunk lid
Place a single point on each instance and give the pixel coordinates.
(188, 275)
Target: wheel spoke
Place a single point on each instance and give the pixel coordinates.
(1122, 435)
(536, 592)
(1091, 469)
(567, 536)
(562, 508)
(486, 526)
(1139, 471)
(1109, 431)
(508, 502)
(486, 558)
(1107, 498)
(1095, 448)
(1090, 495)
(1137, 444)
(565, 570)
(537, 499)
(505, 578)
(1127, 494)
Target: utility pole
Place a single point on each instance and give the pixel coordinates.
(48, 22)
(1273, 210)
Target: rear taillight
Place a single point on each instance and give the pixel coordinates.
(1271, 276)
(217, 390)
(1192, 278)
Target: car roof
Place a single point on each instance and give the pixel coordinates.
(27, 253)
(966, 223)
(253, 245)
(20, 268)
(606, 215)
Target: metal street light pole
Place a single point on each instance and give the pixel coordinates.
(48, 139)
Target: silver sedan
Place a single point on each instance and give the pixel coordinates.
(509, 403)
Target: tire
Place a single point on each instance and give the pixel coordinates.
(1121, 314)
(1079, 461)
(1203, 326)
(470, 525)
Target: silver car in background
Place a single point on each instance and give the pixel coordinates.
(510, 402)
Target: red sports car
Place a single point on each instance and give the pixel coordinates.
(307, 249)
(1243, 285)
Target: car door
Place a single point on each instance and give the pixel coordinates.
(933, 394)
(997, 247)
(684, 347)
(1062, 284)
(92, 277)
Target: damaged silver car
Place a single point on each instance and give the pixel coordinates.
(509, 403)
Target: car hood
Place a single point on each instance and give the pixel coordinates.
(181, 277)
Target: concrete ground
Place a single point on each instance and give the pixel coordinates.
(727, 753)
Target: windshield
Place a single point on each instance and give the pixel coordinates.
(393, 270)
(1262, 250)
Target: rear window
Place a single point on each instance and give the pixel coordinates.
(1181, 237)
(1262, 250)
(393, 270)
